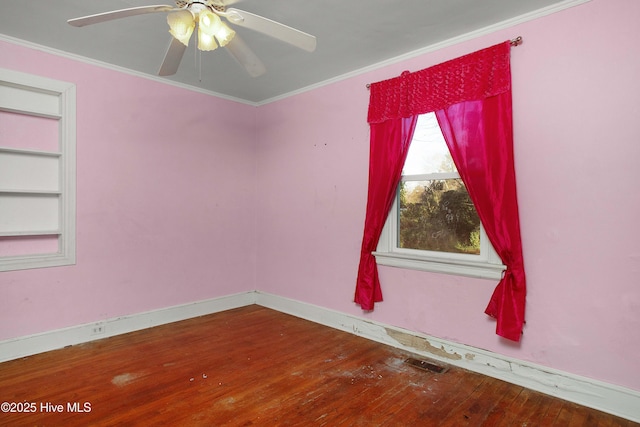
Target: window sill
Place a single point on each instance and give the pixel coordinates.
(459, 268)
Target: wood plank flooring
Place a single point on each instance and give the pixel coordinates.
(255, 366)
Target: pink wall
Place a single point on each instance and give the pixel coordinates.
(576, 163)
(164, 201)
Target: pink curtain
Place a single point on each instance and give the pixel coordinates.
(389, 145)
(479, 137)
(471, 96)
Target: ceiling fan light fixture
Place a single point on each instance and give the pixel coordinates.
(211, 18)
(181, 25)
(206, 42)
(225, 34)
(208, 22)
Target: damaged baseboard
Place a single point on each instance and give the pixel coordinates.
(595, 394)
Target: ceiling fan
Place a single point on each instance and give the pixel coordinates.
(207, 16)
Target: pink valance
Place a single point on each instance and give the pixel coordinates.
(475, 76)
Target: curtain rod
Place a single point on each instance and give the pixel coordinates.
(514, 42)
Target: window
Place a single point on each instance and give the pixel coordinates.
(433, 224)
(37, 172)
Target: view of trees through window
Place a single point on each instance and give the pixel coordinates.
(438, 215)
(435, 212)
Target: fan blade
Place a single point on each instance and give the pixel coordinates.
(224, 3)
(117, 14)
(245, 56)
(172, 59)
(271, 28)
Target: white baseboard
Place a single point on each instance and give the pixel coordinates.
(595, 394)
(615, 400)
(52, 340)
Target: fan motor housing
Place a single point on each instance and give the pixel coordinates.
(216, 5)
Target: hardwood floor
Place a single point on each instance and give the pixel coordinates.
(255, 366)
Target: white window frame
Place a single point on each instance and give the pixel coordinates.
(42, 97)
(487, 265)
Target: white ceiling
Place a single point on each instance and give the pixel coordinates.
(351, 35)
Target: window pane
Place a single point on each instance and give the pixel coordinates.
(437, 215)
(428, 152)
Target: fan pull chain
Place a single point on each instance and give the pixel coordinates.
(197, 61)
(200, 66)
